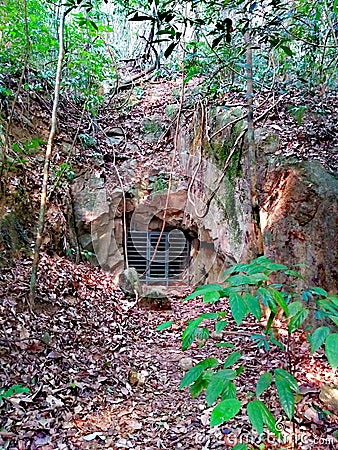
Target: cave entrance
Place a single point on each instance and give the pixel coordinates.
(167, 264)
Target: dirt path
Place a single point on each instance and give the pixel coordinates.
(76, 353)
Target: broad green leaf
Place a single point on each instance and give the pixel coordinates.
(318, 291)
(232, 359)
(164, 325)
(240, 447)
(215, 388)
(236, 268)
(294, 307)
(253, 305)
(267, 299)
(255, 415)
(203, 336)
(290, 379)
(285, 396)
(327, 306)
(238, 280)
(254, 268)
(190, 333)
(225, 410)
(257, 277)
(220, 325)
(331, 350)
(269, 420)
(318, 338)
(238, 307)
(170, 49)
(209, 316)
(276, 342)
(334, 319)
(287, 50)
(262, 260)
(297, 320)
(263, 383)
(279, 299)
(229, 391)
(293, 273)
(201, 290)
(15, 389)
(211, 297)
(199, 385)
(334, 299)
(196, 371)
(225, 344)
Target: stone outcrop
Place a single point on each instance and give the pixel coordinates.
(298, 207)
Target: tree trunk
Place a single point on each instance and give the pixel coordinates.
(42, 213)
(255, 232)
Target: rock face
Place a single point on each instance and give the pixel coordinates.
(299, 205)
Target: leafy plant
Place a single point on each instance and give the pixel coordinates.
(15, 389)
(250, 289)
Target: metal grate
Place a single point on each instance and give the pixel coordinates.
(171, 258)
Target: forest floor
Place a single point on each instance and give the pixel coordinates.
(101, 376)
(78, 351)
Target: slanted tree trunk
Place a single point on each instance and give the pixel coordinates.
(42, 213)
(255, 232)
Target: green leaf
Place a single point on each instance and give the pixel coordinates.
(211, 297)
(164, 325)
(331, 350)
(170, 49)
(225, 345)
(236, 268)
(229, 391)
(279, 299)
(201, 290)
(197, 387)
(203, 336)
(285, 396)
(220, 325)
(287, 50)
(334, 319)
(238, 307)
(318, 291)
(318, 338)
(254, 411)
(217, 385)
(297, 320)
(290, 379)
(232, 359)
(294, 307)
(263, 383)
(190, 333)
(257, 278)
(196, 371)
(293, 273)
(267, 299)
(15, 389)
(209, 316)
(334, 299)
(225, 410)
(269, 420)
(253, 305)
(238, 280)
(240, 447)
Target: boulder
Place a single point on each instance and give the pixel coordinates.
(329, 396)
(129, 282)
